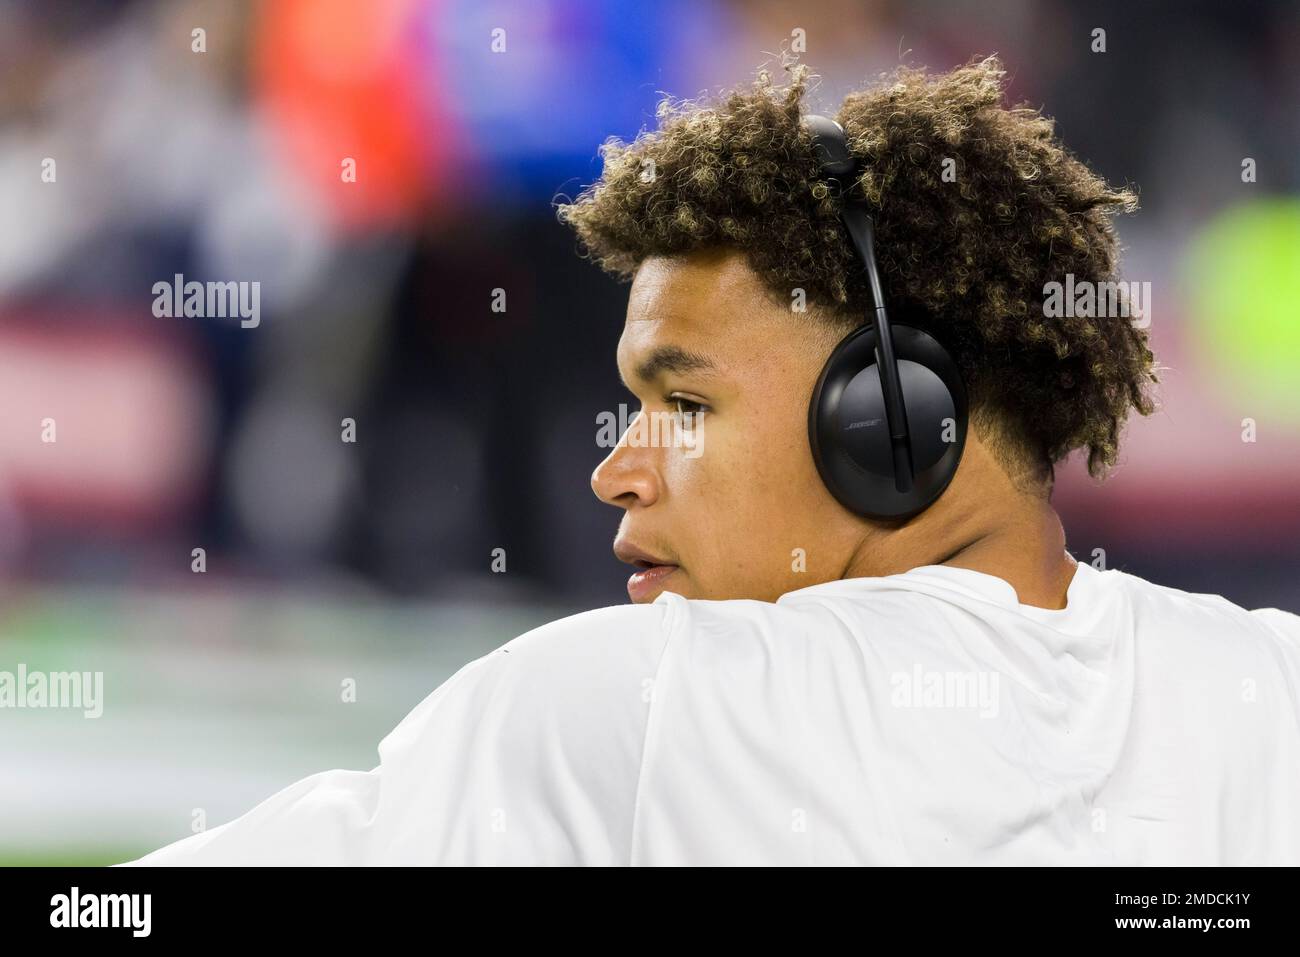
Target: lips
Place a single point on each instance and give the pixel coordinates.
(651, 572)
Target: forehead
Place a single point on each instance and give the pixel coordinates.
(716, 276)
(709, 303)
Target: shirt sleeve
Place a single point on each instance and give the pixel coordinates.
(528, 755)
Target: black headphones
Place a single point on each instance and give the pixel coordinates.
(888, 416)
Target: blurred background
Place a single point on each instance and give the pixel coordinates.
(371, 561)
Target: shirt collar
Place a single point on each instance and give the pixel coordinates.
(968, 581)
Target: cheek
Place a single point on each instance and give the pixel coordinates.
(750, 489)
(698, 487)
(719, 473)
(778, 462)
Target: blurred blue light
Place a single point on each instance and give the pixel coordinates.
(572, 73)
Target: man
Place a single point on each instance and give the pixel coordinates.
(803, 681)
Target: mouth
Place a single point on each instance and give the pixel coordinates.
(651, 573)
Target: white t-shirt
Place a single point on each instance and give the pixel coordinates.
(920, 718)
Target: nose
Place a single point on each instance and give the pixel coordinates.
(628, 476)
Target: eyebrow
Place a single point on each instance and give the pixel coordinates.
(672, 359)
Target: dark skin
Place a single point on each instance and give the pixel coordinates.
(726, 515)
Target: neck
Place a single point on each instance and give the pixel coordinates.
(1030, 555)
(1023, 543)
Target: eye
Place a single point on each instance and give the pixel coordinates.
(688, 412)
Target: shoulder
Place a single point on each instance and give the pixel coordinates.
(1146, 593)
(1284, 624)
(531, 753)
(1211, 619)
(584, 682)
(583, 672)
(582, 662)
(594, 638)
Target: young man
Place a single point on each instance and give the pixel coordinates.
(803, 678)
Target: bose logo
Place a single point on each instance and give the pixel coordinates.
(865, 423)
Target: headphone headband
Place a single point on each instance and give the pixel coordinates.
(887, 419)
(836, 160)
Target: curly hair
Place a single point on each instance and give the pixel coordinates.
(965, 256)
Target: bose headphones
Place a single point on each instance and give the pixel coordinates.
(887, 421)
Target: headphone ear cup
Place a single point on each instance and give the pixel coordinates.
(849, 432)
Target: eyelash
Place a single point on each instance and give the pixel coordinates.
(675, 401)
(693, 414)
(680, 400)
